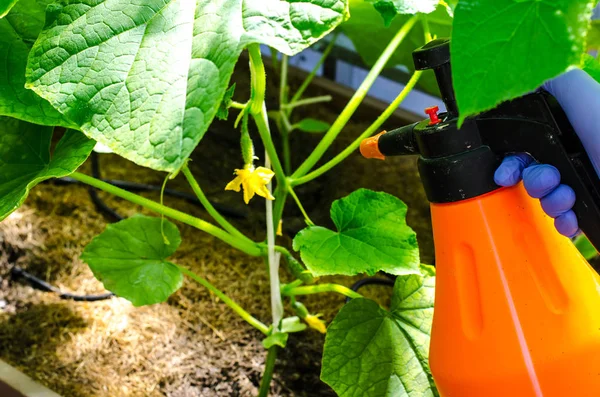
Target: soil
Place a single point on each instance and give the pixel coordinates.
(192, 345)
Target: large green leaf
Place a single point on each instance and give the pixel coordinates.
(25, 159)
(371, 352)
(390, 8)
(18, 30)
(502, 49)
(370, 36)
(130, 258)
(147, 78)
(5, 6)
(372, 236)
(592, 67)
(593, 36)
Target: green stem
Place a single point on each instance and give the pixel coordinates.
(426, 30)
(258, 111)
(238, 105)
(319, 288)
(356, 99)
(280, 198)
(307, 101)
(287, 157)
(368, 132)
(243, 245)
(297, 200)
(265, 383)
(258, 79)
(227, 300)
(283, 80)
(313, 72)
(208, 206)
(274, 59)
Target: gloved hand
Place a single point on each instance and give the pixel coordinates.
(579, 96)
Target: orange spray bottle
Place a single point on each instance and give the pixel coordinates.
(517, 308)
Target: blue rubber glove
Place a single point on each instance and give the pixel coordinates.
(579, 96)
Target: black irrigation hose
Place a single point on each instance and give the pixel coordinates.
(370, 281)
(17, 273)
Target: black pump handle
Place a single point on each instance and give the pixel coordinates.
(550, 142)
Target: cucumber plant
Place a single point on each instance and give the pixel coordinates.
(146, 79)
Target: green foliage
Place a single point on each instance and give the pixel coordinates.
(502, 49)
(130, 259)
(223, 111)
(364, 18)
(312, 126)
(5, 6)
(25, 159)
(370, 351)
(585, 247)
(98, 74)
(592, 66)
(372, 235)
(593, 36)
(279, 338)
(390, 8)
(18, 30)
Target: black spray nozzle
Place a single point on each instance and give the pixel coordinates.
(436, 55)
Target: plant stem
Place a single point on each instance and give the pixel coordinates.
(258, 79)
(237, 105)
(285, 131)
(274, 59)
(287, 157)
(426, 30)
(319, 288)
(243, 245)
(280, 198)
(314, 71)
(297, 200)
(258, 111)
(265, 383)
(356, 99)
(368, 132)
(227, 300)
(307, 101)
(283, 80)
(208, 206)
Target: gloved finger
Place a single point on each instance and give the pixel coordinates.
(567, 224)
(559, 201)
(510, 171)
(540, 180)
(579, 96)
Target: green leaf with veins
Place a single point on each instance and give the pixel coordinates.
(370, 351)
(390, 8)
(130, 259)
(364, 18)
(25, 159)
(18, 30)
(312, 126)
(147, 78)
(502, 49)
(5, 6)
(372, 236)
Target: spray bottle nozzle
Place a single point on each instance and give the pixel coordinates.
(458, 164)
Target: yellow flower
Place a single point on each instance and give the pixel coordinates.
(316, 323)
(279, 231)
(254, 181)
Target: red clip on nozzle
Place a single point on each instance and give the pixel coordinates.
(432, 112)
(369, 147)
